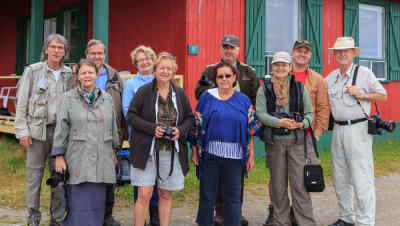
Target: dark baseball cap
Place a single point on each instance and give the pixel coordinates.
(230, 40)
(304, 43)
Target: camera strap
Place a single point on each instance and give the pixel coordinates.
(157, 148)
(353, 83)
(313, 141)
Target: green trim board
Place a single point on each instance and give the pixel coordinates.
(37, 8)
(312, 30)
(100, 22)
(255, 36)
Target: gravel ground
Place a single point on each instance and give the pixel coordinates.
(256, 204)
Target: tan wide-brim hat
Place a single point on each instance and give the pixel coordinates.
(345, 43)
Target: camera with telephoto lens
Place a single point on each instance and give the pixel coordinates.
(204, 81)
(56, 178)
(376, 125)
(168, 133)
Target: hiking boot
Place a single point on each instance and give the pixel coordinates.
(270, 218)
(341, 223)
(293, 220)
(55, 222)
(243, 221)
(154, 217)
(218, 220)
(33, 223)
(109, 221)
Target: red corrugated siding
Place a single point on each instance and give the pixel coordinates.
(207, 22)
(159, 24)
(390, 109)
(332, 29)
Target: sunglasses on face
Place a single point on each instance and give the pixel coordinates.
(221, 76)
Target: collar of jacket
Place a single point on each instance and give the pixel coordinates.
(237, 62)
(77, 95)
(111, 73)
(62, 68)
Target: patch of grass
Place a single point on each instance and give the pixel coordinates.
(13, 175)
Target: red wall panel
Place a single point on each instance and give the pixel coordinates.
(159, 24)
(332, 28)
(206, 24)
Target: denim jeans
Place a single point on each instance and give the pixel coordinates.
(230, 171)
(153, 199)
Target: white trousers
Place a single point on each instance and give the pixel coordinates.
(353, 172)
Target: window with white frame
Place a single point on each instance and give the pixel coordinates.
(282, 28)
(372, 39)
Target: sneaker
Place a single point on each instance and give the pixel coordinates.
(154, 217)
(109, 221)
(218, 220)
(270, 218)
(55, 222)
(293, 220)
(341, 223)
(244, 221)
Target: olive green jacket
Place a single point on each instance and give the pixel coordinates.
(248, 81)
(86, 137)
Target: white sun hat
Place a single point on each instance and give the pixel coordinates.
(345, 43)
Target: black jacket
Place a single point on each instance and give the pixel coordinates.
(141, 116)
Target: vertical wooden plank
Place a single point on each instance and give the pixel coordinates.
(332, 29)
(36, 30)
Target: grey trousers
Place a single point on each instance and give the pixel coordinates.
(37, 155)
(287, 159)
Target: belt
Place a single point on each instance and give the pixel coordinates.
(350, 122)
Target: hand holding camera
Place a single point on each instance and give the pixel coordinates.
(167, 133)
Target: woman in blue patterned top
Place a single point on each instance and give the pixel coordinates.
(222, 144)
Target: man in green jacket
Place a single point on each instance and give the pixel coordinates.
(248, 84)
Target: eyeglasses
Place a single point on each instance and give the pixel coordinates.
(221, 76)
(93, 117)
(148, 59)
(53, 47)
(96, 53)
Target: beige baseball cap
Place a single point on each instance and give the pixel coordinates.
(345, 43)
(282, 57)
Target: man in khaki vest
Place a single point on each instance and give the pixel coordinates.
(39, 97)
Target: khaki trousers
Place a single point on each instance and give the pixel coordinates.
(287, 159)
(37, 155)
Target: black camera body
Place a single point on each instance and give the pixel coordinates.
(296, 116)
(204, 81)
(376, 125)
(168, 133)
(56, 178)
(292, 115)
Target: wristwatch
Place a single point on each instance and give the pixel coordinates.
(365, 96)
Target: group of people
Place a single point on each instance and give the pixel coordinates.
(79, 118)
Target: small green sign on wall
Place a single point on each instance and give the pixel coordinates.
(193, 49)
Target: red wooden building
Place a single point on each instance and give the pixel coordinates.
(263, 26)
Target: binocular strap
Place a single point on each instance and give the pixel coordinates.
(158, 159)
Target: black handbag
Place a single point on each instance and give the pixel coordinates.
(313, 173)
